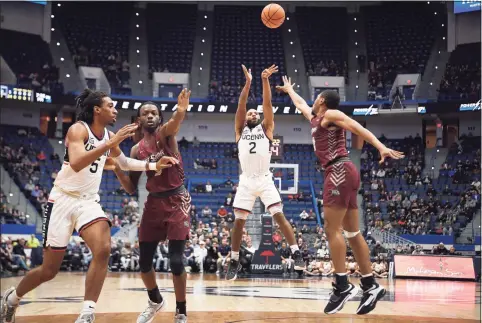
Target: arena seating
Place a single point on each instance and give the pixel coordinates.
(241, 38)
(29, 58)
(98, 37)
(394, 41)
(171, 30)
(462, 74)
(439, 209)
(323, 36)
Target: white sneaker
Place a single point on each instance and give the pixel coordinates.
(85, 318)
(8, 312)
(150, 312)
(180, 318)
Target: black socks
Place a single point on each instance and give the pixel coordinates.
(155, 295)
(181, 307)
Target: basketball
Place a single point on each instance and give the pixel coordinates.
(273, 15)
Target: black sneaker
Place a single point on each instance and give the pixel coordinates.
(339, 296)
(233, 268)
(299, 262)
(371, 295)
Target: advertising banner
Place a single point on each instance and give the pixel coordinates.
(448, 267)
(266, 259)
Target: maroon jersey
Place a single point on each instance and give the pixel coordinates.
(170, 178)
(328, 144)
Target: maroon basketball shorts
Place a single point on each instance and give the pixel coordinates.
(166, 218)
(340, 188)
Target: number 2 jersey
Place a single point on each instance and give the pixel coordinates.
(86, 181)
(254, 149)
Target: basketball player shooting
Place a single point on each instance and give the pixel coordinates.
(253, 137)
(340, 189)
(166, 212)
(74, 201)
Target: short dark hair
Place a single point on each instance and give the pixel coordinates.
(154, 104)
(86, 102)
(332, 99)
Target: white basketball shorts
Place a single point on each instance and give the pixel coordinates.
(65, 213)
(250, 188)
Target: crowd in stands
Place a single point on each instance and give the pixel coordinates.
(29, 58)
(462, 74)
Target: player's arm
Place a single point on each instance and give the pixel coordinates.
(342, 120)
(128, 181)
(240, 117)
(126, 163)
(171, 128)
(79, 158)
(298, 101)
(268, 121)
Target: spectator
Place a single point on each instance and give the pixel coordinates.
(209, 187)
(304, 215)
(195, 142)
(207, 212)
(440, 249)
(33, 242)
(223, 255)
(222, 212)
(378, 249)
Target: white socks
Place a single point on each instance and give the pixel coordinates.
(294, 248)
(235, 255)
(13, 299)
(341, 274)
(88, 308)
(367, 275)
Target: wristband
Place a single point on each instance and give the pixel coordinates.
(152, 166)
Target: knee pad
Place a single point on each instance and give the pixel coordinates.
(177, 267)
(145, 265)
(241, 214)
(176, 253)
(275, 209)
(351, 234)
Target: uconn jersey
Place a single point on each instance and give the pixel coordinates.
(87, 180)
(73, 202)
(255, 180)
(254, 151)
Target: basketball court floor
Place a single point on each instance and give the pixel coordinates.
(254, 300)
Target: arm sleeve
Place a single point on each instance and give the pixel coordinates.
(126, 163)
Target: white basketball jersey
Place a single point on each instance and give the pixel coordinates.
(254, 151)
(86, 181)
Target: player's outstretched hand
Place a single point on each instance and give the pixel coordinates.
(183, 100)
(287, 86)
(165, 162)
(124, 133)
(269, 71)
(390, 153)
(247, 74)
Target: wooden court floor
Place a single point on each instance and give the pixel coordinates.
(255, 300)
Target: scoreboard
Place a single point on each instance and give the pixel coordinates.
(277, 148)
(12, 92)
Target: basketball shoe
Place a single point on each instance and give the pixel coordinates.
(151, 310)
(233, 267)
(8, 311)
(299, 262)
(85, 318)
(372, 293)
(180, 318)
(339, 296)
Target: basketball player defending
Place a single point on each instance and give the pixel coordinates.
(341, 184)
(74, 201)
(166, 212)
(254, 137)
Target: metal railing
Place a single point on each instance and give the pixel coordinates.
(390, 239)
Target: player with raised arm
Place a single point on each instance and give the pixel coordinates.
(254, 137)
(166, 212)
(341, 184)
(73, 202)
